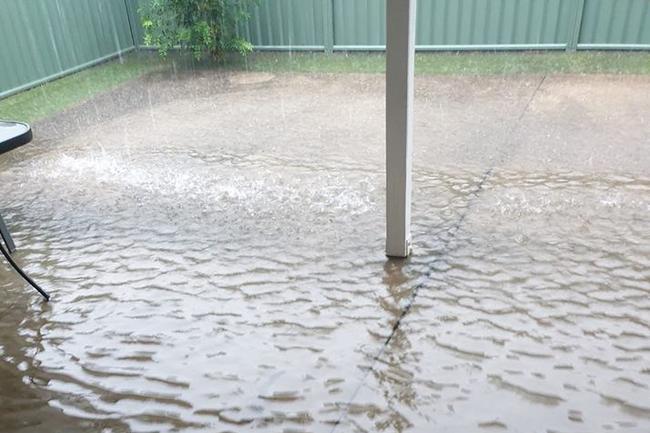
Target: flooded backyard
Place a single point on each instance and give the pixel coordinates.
(213, 243)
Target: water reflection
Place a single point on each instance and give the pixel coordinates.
(393, 381)
(220, 278)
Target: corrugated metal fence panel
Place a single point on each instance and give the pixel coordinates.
(286, 24)
(51, 37)
(450, 24)
(359, 23)
(468, 23)
(615, 24)
(460, 23)
(132, 8)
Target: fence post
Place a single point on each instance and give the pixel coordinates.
(127, 10)
(328, 25)
(574, 32)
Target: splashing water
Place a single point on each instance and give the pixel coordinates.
(218, 266)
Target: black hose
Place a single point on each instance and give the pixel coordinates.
(22, 273)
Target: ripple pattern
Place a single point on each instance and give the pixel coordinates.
(219, 279)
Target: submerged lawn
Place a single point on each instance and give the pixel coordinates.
(58, 95)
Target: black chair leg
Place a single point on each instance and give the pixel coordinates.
(6, 236)
(22, 273)
(7, 252)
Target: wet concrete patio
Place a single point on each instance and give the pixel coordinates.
(214, 246)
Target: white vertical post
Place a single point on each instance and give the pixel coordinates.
(400, 59)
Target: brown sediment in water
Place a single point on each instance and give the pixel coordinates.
(214, 245)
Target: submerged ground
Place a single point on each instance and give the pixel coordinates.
(213, 241)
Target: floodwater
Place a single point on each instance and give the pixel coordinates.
(214, 247)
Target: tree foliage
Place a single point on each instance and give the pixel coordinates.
(204, 27)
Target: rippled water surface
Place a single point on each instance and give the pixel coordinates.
(214, 247)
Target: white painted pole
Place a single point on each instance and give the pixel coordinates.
(400, 60)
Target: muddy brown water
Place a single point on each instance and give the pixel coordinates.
(214, 247)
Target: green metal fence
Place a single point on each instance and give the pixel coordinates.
(459, 24)
(45, 39)
(615, 24)
(454, 24)
(348, 25)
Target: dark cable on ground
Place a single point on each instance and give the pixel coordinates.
(22, 273)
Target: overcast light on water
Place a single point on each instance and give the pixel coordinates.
(213, 240)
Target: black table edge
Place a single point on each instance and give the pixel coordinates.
(18, 140)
